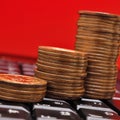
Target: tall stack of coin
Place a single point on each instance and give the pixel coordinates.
(98, 35)
(64, 71)
(20, 88)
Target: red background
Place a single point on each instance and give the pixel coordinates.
(27, 24)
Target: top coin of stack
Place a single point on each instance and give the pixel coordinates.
(64, 71)
(98, 36)
(20, 88)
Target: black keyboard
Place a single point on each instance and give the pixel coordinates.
(53, 109)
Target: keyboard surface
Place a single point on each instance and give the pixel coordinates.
(53, 109)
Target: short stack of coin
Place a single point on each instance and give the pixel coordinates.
(19, 88)
(64, 71)
(98, 35)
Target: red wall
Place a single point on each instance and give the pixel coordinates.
(26, 24)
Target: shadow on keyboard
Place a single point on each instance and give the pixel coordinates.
(52, 109)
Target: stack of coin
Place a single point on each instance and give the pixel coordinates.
(98, 35)
(19, 88)
(64, 71)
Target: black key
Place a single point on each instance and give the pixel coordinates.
(54, 110)
(55, 103)
(14, 111)
(91, 114)
(94, 109)
(93, 103)
(52, 113)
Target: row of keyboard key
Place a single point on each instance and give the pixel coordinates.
(11, 67)
(92, 109)
(48, 109)
(52, 109)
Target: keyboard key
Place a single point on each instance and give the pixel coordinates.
(54, 110)
(14, 111)
(28, 69)
(92, 109)
(9, 67)
(55, 103)
(93, 103)
(91, 114)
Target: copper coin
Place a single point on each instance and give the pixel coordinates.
(80, 66)
(66, 62)
(100, 83)
(22, 80)
(58, 78)
(98, 34)
(100, 15)
(61, 71)
(61, 51)
(98, 77)
(62, 57)
(15, 98)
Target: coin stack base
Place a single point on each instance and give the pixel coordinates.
(20, 88)
(98, 36)
(64, 71)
